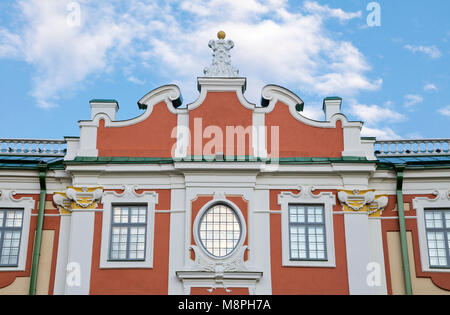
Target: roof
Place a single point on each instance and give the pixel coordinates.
(429, 161)
(30, 162)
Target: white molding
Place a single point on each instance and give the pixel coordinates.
(88, 128)
(276, 94)
(351, 129)
(167, 94)
(129, 196)
(442, 201)
(221, 85)
(7, 201)
(196, 279)
(306, 197)
(107, 108)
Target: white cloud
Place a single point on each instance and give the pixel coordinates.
(135, 80)
(314, 112)
(431, 51)
(64, 55)
(380, 134)
(325, 10)
(374, 117)
(374, 114)
(412, 100)
(445, 111)
(274, 44)
(430, 87)
(9, 44)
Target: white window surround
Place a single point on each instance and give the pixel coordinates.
(218, 199)
(306, 197)
(128, 197)
(7, 201)
(420, 204)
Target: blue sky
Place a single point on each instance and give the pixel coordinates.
(395, 77)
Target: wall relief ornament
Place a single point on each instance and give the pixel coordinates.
(221, 64)
(78, 198)
(363, 201)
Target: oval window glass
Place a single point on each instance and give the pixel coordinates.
(220, 230)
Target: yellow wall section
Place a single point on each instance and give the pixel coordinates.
(421, 286)
(45, 263)
(21, 285)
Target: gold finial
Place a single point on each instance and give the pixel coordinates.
(221, 35)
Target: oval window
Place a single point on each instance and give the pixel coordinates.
(220, 230)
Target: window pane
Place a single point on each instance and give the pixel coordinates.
(128, 233)
(437, 223)
(447, 220)
(297, 214)
(10, 234)
(220, 230)
(437, 249)
(307, 236)
(433, 219)
(10, 248)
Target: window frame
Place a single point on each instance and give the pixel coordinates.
(26, 204)
(128, 225)
(128, 197)
(241, 220)
(422, 204)
(4, 228)
(445, 230)
(306, 225)
(202, 244)
(307, 198)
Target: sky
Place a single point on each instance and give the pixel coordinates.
(388, 60)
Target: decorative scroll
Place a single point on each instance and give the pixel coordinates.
(363, 201)
(78, 198)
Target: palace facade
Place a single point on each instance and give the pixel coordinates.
(223, 196)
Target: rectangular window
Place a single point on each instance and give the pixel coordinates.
(128, 233)
(11, 222)
(307, 233)
(437, 223)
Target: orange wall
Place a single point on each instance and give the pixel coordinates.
(300, 140)
(136, 281)
(221, 109)
(150, 138)
(301, 280)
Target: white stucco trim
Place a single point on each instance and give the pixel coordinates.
(167, 94)
(128, 197)
(221, 85)
(328, 200)
(229, 280)
(442, 201)
(7, 201)
(275, 94)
